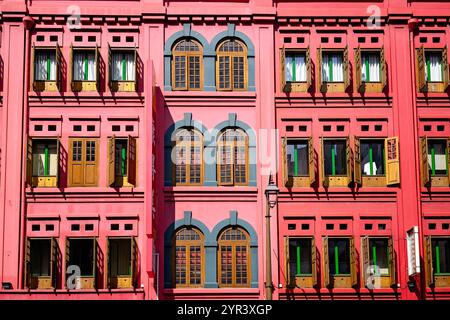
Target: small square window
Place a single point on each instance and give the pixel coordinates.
(326, 128)
(427, 128)
(343, 226)
(49, 227)
(340, 128)
(300, 40)
(329, 226)
(90, 128)
(364, 127)
(38, 127)
(77, 128)
(374, 39)
(129, 38)
(53, 38)
(75, 227)
(305, 226)
(436, 39)
(115, 128)
(445, 226)
(89, 227)
(116, 39)
(115, 226)
(129, 128)
(40, 38)
(378, 127)
(289, 128)
(423, 39)
(432, 226)
(92, 38)
(78, 38)
(35, 227)
(287, 40)
(382, 226)
(337, 40)
(291, 226)
(361, 40)
(440, 128)
(52, 127)
(128, 226)
(302, 128)
(368, 226)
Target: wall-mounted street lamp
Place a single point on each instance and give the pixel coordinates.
(271, 200)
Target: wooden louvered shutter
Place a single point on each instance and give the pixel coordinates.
(308, 68)
(322, 86)
(284, 86)
(429, 272)
(27, 266)
(53, 262)
(58, 158)
(424, 172)
(67, 257)
(33, 62)
(383, 67)
(358, 81)
(97, 68)
(96, 262)
(346, 69)
(110, 70)
(353, 266)
(108, 263)
(357, 162)
(132, 161)
(288, 277)
(58, 67)
(421, 80)
(29, 161)
(445, 68)
(70, 68)
(326, 263)
(392, 161)
(136, 74)
(365, 258)
(111, 161)
(134, 262)
(392, 262)
(323, 177)
(448, 159)
(312, 172)
(284, 164)
(313, 262)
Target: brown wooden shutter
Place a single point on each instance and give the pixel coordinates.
(322, 86)
(392, 161)
(383, 68)
(58, 67)
(58, 158)
(365, 253)
(348, 155)
(346, 69)
(96, 262)
(76, 172)
(134, 262)
(392, 262)
(67, 258)
(284, 164)
(132, 161)
(353, 262)
(111, 161)
(108, 264)
(33, 62)
(358, 81)
(448, 159)
(326, 262)
(97, 68)
(424, 172)
(421, 80)
(357, 162)
(70, 67)
(323, 177)
(312, 172)
(287, 272)
(284, 87)
(313, 262)
(53, 261)
(308, 68)
(110, 71)
(29, 161)
(90, 167)
(429, 272)
(27, 266)
(136, 74)
(445, 68)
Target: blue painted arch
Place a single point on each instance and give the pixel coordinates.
(237, 35)
(182, 34)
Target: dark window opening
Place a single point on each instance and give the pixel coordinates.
(437, 157)
(436, 39)
(287, 40)
(337, 40)
(89, 227)
(75, 227)
(327, 128)
(49, 227)
(119, 257)
(427, 128)
(343, 226)
(35, 227)
(115, 128)
(292, 226)
(297, 154)
(340, 128)
(121, 157)
(52, 127)
(329, 226)
(77, 128)
(361, 40)
(300, 40)
(441, 255)
(364, 128)
(78, 38)
(379, 255)
(116, 39)
(302, 128)
(90, 128)
(374, 39)
(432, 226)
(300, 255)
(129, 128)
(81, 254)
(324, 39)
(115, 226)
(368, 226)
(53, 38)
(38, 127)
(129, 39)
(372, 157)
(40, 251)
(92, 38)
(335, 154)
(378, 127)
(128, 226)
(423, 39)
(289, 128)
(339, 256)
(440, 128)
(305, 226)
(382, 226)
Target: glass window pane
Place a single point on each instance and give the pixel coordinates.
(300, 256)
(297, 158)
(433, 67)
(379, 256)
(45, 65)
(335, 154)
(441, 255)
(372, 157)
(370, 66)
(437, 157)
(295, 67)
(339, 256)
(40, 251)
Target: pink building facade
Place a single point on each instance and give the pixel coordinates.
(138, 139)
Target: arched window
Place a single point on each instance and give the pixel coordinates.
(188, 267)
(231, 65)
(188, 157)
(232, 157)
(234, 258)
(187, 65)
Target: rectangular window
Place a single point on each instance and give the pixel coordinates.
(123, 65)
(437, 157)
(82, 254)
(83, 162)
(335, 157)
(339, 256)
(297, 158)
(441, 256)
(295, 67)
(332, 67)
(300, 263)
(433, 67)
(379, 255)
(119, 257)
(121, 158)
(370, 66)
(45, 158)
(372, 157)
(40, 257)
(45, 66)
(84, 65)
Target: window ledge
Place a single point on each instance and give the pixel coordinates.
(84, 94)
(234, 94)
(233, 189)
(209, 291)
(84, 190)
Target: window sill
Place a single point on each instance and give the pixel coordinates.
(233, 189)
(83, 190)
(209, 291)
(234, 94)
(83, 94)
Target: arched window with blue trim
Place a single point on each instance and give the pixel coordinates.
(231, 65)
(232, 157)
(187, 157)
(187, 65)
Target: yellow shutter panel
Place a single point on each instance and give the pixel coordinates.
(308, 68)
(111, 161)
(132, 161)
(365, 257)
(445, 68)
(346, 69)
(313, 262)
(357, 162)
(29, 161)
(353, 267)
(358, 81)
(429, 272)
(421, 80)
(424, 172)
(349, 161)
(322, 86)
(312, 172)
(27, 266)
(392, 161)
(284, 87)
(284, 164)
(326, 263)
(383, 68)
(392, 262)
(324, 179)
(287, 272)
